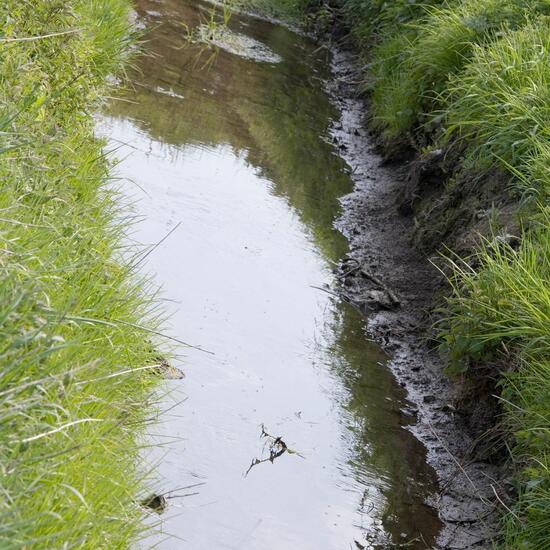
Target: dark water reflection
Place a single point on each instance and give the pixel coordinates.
(239, 155)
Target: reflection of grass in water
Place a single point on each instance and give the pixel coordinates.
(237, 44)
(276, 115)
(383, 455)
(286, 9)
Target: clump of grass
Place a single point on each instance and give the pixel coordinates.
(433, 48)
(500, 105)
(395, 106)
(375, 20)
(74, 393)
(505, 300)
(526, 396)
(502, 308)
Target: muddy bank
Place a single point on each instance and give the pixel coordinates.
(394, 284)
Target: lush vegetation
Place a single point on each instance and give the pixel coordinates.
(503, 308)
(75, 390)
(76, 386)
(473, 76)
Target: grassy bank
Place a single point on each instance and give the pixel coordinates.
(73, 392)
(501, 309)
(471, 78)
(474, 77)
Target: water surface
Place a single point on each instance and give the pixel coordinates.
(236, 158)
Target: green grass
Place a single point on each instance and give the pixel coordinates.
(475, 76)
(74, 397)
(499, 106)
(504, 301)
(411, 69)
(502, 309)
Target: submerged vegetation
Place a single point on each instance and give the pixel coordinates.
(472, 78)
(75, 389)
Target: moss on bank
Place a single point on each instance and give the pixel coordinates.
(73, 392)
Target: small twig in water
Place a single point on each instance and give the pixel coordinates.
(276, 449)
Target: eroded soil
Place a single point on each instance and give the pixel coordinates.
(394, 285)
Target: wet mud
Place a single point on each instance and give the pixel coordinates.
(394, 285)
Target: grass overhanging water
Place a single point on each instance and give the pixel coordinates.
(473, 76)
(75, 319)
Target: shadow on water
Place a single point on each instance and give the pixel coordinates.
(241, 152)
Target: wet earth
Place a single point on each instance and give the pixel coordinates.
(395, 286)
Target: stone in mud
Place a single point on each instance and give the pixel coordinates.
(376, 299)
(512, 241)
(424, 173)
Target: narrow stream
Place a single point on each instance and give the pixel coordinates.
(235, 157)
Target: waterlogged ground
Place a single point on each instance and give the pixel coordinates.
(235, 158)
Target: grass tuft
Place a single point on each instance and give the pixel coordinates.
(500, 105)
(502, 308)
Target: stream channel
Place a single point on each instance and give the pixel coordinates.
(230, 150)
